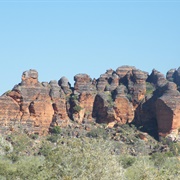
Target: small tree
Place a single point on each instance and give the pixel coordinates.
(56, 130)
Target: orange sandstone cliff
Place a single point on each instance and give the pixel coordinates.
(125, 95)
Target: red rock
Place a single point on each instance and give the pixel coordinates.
(102, 82)
(9, 113)
(124, 110)
(168, 110)
(86, 101)
(83, 83)
(58, 99)
(121, 95)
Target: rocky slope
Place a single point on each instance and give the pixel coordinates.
(125, 95)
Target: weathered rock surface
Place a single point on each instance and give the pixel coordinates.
(34, 102)
(102, 82)
(9, 113)
(117, 97)
(157, 78)
(83, 97)
(124, 110)
(58, 99)
(168, 109)
(173, 75)
(135, 81)
(83, 83)
(65, 85)
(118, 110)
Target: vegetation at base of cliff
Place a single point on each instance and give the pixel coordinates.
(97, 154)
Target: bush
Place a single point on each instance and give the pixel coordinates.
(13, 157)
(149, 88)
(53, 138)
(20, 141)
(34, 136)
(5, 146)
(158, 158)
(46, 149)
(127, 161)
(74, 97)
(175, 148)
(97, 132)
(77, 108)
(56, 130)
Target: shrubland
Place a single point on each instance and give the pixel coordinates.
(98, 154)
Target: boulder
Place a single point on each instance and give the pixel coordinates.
(65, 85)
(102, 82)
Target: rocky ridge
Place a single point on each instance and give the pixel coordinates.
(121, 96)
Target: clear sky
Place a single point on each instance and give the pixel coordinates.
(64, 38)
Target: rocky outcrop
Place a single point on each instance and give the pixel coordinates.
(65, 85)
(82, 99)
(173, 75)
(58, 99)
(157, 78)
(83, 83)
(9, 113)
(135, 81)
(34, 103)
(170, 75)
(168, 109)
(113, 110)
(127, 95)
(124, 109)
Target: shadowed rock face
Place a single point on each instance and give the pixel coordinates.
(157, 78)
(168, 109)
(115, 97)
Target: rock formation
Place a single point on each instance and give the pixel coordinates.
(168, 109)
(126, 95)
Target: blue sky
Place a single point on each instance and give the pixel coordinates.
(64, 38)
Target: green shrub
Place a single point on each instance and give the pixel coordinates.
(20, 141)
(110, 100)
(175, 148)
(127, 161)
(149, 88)
(158, 158)
(34, 136)
(56, 130)
(53, 138)
(97, 132)
(46, 149)
(13, 157)
(77, 108)
(74, 97)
